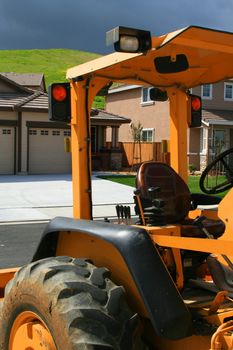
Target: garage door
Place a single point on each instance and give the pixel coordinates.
(7, 150)
(46, 151)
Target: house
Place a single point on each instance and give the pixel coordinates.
(31, 144)
(215, 134)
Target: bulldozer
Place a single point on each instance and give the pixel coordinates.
(164, 282)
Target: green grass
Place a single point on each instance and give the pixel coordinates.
(128, 180)
(193, 182)
(53, 63)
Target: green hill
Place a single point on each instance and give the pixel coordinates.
(53, 63)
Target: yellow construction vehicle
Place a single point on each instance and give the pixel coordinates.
(163, 283)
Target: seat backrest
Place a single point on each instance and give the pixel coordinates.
(173, 190)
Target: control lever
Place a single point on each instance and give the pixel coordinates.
(199, 223)
(129, 215)
(118, 213)
(122, 213)
(141, 213)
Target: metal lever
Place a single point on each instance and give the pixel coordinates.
(199, 222)
(137, 194)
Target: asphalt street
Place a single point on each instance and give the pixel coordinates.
(18, 243)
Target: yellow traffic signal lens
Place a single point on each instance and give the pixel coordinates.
(196, 103)
(59, 93)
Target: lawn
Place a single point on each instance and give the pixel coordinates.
(193, 182)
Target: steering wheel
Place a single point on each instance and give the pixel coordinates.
(218, 175)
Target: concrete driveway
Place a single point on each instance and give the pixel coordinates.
(42, 197)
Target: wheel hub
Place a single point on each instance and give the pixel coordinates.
(29, 332)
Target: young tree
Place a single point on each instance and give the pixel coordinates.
(136, 132)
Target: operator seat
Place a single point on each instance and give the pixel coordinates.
(166, 199)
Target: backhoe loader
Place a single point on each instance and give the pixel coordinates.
(164, 282)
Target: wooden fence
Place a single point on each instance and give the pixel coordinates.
(136, 153)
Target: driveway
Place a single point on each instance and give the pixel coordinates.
(42, 197)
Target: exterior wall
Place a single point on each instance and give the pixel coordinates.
(151, 115)
(8, 115)
(217, 101)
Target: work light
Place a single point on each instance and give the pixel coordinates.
(129, 39)
(129, 43)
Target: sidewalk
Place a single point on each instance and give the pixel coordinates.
(42, 197)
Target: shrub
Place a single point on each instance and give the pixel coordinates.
(192, 168)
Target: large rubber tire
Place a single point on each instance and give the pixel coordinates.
(73, 302)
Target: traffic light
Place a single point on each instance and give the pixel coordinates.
(195, 111)
(59, 102)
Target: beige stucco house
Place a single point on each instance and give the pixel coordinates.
(215, 134)
(31, 144)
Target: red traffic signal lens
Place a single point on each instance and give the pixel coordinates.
(196, 103)
(59, 93)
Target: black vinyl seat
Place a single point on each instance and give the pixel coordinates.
(166, 199)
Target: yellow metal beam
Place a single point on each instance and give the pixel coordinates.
(178, 131)
(80, 152)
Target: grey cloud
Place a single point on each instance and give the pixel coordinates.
(81, 25)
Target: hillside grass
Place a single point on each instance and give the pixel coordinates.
(53, 63)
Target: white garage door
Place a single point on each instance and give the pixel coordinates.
(7, 150)
(46, 152)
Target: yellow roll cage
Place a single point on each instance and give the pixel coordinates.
(210, 55)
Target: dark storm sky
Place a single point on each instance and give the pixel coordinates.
(81, 24)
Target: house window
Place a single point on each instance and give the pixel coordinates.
(228, 91)
(56, 133)
(32, 132)
(145, 97)
(206, 91)
(44, 132)
(67, 133)
(6, 131)
(148, 135)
